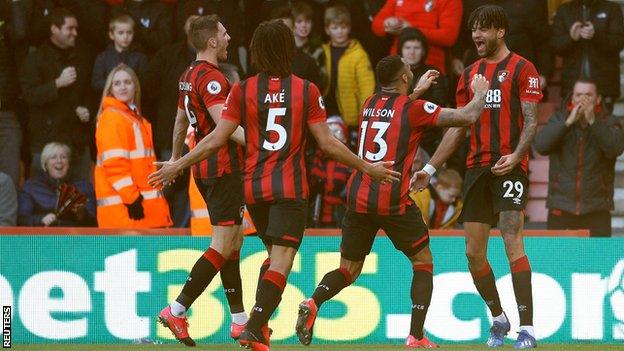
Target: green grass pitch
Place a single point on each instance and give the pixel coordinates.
(351, 347)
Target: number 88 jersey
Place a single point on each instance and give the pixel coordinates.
(275, 113)
(391, 127)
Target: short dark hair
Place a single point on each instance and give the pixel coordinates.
(388, 69)
(300, 8)
(586, 80)
(488, 16)
(273, 48)
(202, 28)
(58, 15)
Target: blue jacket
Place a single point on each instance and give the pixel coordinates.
(38, 198)
(109, 59)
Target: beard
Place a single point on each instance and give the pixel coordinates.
(490, 48)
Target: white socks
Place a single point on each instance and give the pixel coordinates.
(528, 329)
(501, 319)
(177, 309)
(240, 318)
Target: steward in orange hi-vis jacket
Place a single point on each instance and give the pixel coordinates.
(125, 157)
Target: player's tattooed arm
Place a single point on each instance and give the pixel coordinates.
(507, 163)
(179, 134)
(529, 112)
(467, 115)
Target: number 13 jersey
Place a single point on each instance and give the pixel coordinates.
(275, 113)
(391, 127)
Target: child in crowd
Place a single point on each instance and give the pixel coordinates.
(121, 32)
(350, 75)
(440, 203)
(302, 14)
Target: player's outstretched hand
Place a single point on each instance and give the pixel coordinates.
(419, 181)
(166, 174)
(427, 79)
(382, 172)
(479, 84)
(506, 164)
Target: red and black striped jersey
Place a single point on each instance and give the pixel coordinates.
(497, 132)
(391, 127)
(201, 86)
(275, 113)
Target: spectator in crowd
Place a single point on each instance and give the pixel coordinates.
(162, 76)
(122, 50)
(589, 35)
(92, 16)
(328, 182)
(303, 65)
(125, 158)
(583, 141)
(439, 20)
(302, 17)
(440, 203)
(528, 35)
(8, 205)
(413, 48)
(350, 75)
(154, 21)
(12, 30)
(38, 200)
(229, 13)
(55, 85)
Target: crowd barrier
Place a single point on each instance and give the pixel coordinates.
(87, 285)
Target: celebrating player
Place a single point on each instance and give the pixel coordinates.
(277, 109)
(202, 93)
(391, 127)
(495, 187)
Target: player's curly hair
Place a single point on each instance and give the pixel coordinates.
(388, 69)
(488, 16)
(273, 48)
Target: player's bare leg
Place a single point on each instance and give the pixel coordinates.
(232, 285)
(225, 239)
(269, 294)
(477, 235)
(331, 284)
(511, 224)
(421, 291)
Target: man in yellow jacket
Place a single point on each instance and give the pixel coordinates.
(440, 204)
(350, 75)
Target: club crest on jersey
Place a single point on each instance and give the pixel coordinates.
(502, 75)
(213, 87)
(430, 107)
(429, 6)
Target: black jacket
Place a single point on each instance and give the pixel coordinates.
(161, 89)
(528, 34)
(109, 59)
(153, 23)
(582, 162)
(602, 50)
(52, 110)
(9, 34)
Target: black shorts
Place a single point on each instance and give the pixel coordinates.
(486, 195)
(224, 198)
(408, 232)
(280, 222)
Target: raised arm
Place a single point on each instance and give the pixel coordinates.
(467, 115)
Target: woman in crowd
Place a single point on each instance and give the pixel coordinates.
(39, 203)
(125, 157)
